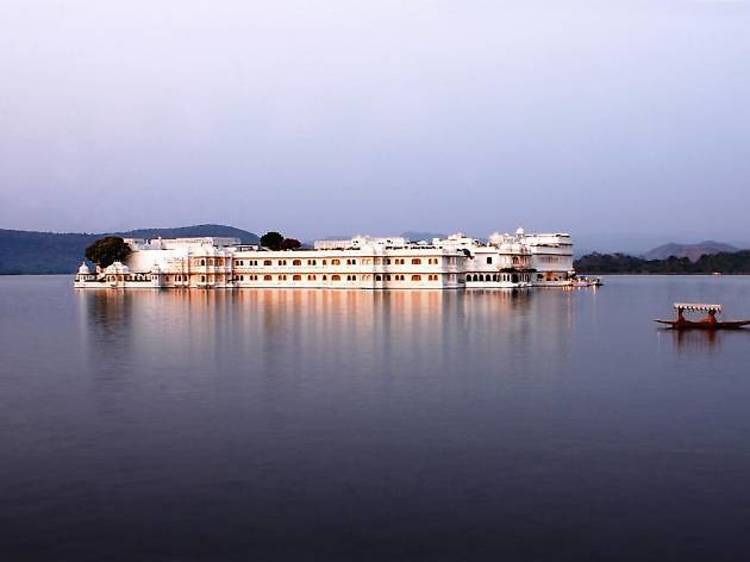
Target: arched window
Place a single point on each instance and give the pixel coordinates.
(416, 261)
(296, 262)
(335, 261)
(378, 278)
(267, 278)
(335, 277)
(296, 278)
(203, 262)
(266, 262)
(416, 277)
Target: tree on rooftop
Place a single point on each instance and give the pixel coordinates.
(108, 250)
(271, 240)
(290, 244)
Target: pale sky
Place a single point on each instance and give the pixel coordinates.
(601, 118)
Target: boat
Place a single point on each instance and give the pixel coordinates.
(708, 322)
(580, 281)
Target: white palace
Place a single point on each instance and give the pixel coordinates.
(505, 261)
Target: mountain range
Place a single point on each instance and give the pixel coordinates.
(691, 251)
(31, 252)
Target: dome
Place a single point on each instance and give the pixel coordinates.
(84, 269)
(117, 268)
(496, 238)
(520, 231)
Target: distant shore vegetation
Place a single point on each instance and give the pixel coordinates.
(723, 262)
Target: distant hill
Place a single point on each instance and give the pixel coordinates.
(691, 251)
(30, 252)
(724, 262)
(416, 236)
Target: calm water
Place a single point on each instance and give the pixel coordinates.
(296, 425)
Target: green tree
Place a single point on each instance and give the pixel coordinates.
(108, 250)
(272, 240)
(290, 244)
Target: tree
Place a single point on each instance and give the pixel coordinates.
(271, 240)
(108, 250)
(290, 244)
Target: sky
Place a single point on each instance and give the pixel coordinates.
(623, 123)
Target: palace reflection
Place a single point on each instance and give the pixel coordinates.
(282, 330)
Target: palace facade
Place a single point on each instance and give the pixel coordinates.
(504, 261)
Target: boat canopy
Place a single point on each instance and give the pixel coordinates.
(698, 307)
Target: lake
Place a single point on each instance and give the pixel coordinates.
(342, 425)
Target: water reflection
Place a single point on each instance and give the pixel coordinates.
(298, 333)
(332, 423)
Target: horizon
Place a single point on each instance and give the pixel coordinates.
(624, 123)
(610, 243)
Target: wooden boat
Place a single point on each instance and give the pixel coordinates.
(585, 282)
(708, 322)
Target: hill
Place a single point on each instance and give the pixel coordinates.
(723, 262)
(691, 251)
(30, 252)
(416, 236)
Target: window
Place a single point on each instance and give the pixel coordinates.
(416, 261)
(387, 277)
(335, 278)
(297, 278)
(378, 278)
(296, 262)
(266, 262)
(325, 262)
(489, 259)
(388, 261)
(335, 261)
(203, 278)
(282, 262)
(267, 278)
(203, 262)
(378, 261)
(311, 277)
(416, 277)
